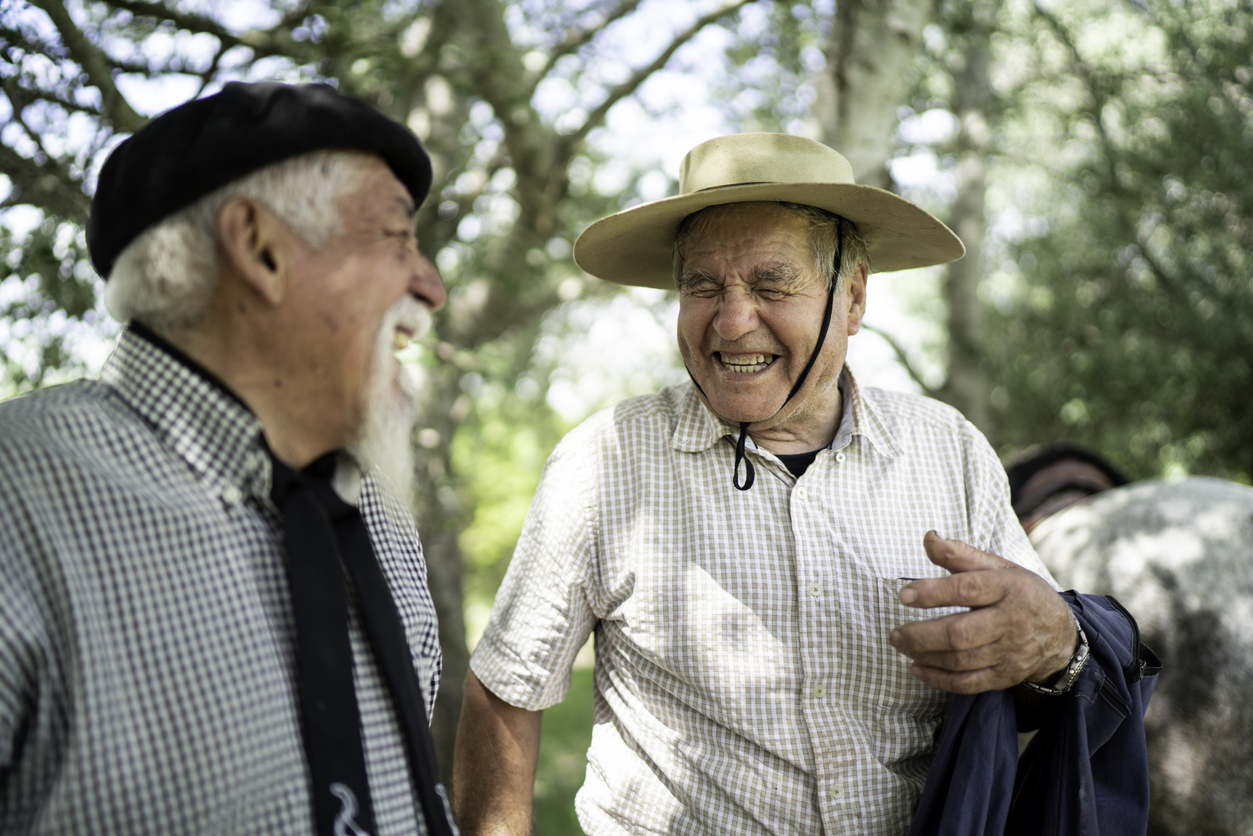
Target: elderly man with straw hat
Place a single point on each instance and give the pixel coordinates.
(787, 574)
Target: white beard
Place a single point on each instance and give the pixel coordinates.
(385, 444)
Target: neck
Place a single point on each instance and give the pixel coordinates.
(249, 366)
(803, 430)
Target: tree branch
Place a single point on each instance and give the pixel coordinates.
(21, 96)
(902, 358)
(261, 42)
(96, 65)
(575, 40)
(1109, 153)
(28, 42)
(626, 88)
(46, 186)
(439, 232)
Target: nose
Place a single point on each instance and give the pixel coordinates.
(737, 314)
(427, 285)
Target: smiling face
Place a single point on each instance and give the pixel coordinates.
(343, 291)
(751, 302)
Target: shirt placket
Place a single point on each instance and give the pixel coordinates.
(835, 758)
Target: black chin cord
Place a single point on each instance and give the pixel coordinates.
(750, 473)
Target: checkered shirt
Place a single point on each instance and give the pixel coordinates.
(147, 667)
(744, 681)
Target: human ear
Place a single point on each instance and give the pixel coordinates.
(252, 239)
(856, 291)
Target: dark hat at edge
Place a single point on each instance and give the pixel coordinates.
(200, 146)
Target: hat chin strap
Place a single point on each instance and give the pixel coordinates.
(750, 473)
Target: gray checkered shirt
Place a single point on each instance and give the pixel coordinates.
(147, 673)
(744, 679)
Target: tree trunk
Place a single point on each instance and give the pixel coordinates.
(440, 518)
(967, 387)
(864, 82)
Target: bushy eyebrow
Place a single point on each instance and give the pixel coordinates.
(689, 278)
(778, 273)
(774, 274)
(406, 206)
(410, 213)
(402, 207)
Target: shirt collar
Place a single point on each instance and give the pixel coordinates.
(192, 411)
(699, 429)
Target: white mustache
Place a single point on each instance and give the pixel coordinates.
(407, 313)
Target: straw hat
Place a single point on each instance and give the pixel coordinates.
(635, 246)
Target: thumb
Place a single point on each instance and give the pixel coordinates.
(956, 556)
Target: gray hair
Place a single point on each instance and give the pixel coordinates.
(826, 231)
(166, 276)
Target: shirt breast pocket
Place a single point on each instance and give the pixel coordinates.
(900, 692)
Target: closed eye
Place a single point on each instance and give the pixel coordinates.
(406, 236)
(698, 284)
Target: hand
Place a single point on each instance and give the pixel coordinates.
(1018, 628)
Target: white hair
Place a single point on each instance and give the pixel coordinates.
(166, 276)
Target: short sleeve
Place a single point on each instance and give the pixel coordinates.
(995, 527)
(542, 616)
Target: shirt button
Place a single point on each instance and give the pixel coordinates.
(800, 493)
(815, 588)
(839, 457)
(232, 495)
(836, 791)
(820, 690)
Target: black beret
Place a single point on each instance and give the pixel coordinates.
(188, 152)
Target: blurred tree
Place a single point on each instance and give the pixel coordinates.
(504, 95)
(871, 48)
(1128, 323)
(946, 74)
(969, 26)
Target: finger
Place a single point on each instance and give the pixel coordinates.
(980, 588)
(964, 682)
(956, 661)
(960, 631)
(956, 556)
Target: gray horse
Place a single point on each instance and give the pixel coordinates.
(1179, 556)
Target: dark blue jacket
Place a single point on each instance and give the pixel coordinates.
(1085, 773)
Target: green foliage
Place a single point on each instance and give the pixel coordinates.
(47, 306)
(564, 737)
(500, 455)
(1131, 328)
(771, 65)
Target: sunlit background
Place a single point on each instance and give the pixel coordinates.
(1093, 156)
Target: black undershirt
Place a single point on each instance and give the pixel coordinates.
(798, 463)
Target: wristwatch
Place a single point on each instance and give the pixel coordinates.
(1062, 682)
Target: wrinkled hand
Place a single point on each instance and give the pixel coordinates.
(1018, 627)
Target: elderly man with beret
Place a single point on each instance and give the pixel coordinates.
(778, 625)
(215, 613)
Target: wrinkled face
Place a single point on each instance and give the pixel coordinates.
(751, 301)
(347, 287)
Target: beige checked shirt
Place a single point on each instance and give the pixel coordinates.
(744, 679)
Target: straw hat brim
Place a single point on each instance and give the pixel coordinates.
(635, 246)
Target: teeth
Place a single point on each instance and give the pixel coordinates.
(745, 364)
(400, 341)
